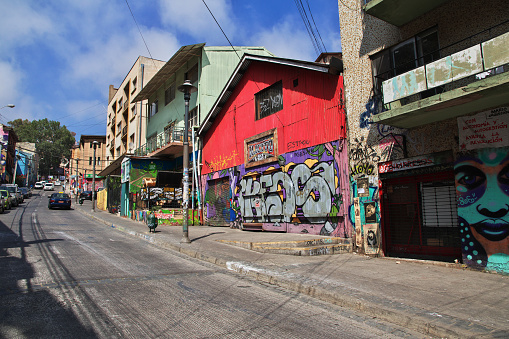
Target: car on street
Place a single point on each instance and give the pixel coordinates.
(49, 186)
(58, 183)
(59, 200)
(38, 185)
(25, 192)
(86, 195)
(15, 194)
(7, 199)
(2, 204)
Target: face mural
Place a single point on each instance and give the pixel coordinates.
(482, 188)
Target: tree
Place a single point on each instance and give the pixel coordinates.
(52, 141)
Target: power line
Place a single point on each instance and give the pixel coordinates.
(139, 30)
(314, 23)
(220, 27)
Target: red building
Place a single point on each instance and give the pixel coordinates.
(274, 150)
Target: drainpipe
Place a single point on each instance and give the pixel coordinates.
(141, 105)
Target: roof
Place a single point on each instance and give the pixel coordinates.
(242, 68)
(176, 62)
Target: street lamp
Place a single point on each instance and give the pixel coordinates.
(95, 143)
(10, 106)
(187, 88)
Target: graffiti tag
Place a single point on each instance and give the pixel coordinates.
(295, 144)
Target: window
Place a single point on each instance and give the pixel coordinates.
(154, 108)
(192, 74)
(135, 80)
(133, 110)
(405, 56)
(169, 94)
(99, 161)
(91, 144)
(90, 161)
(193, 117)
(269, 100)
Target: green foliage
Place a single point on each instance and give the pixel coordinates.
(52, 141)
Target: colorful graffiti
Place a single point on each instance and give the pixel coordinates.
(303, 191)
(364, 158)
(222, 161)
(482, 188)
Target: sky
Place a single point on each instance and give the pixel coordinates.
(58, 57)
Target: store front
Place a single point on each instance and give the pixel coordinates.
(419, 208)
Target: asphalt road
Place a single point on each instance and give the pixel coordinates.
(63, 275)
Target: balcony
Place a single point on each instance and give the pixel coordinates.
(124, 131)
(472, 79)
(399, 12)
(170, 142)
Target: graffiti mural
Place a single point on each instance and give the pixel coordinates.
(364, 158)
(302, 191)
(482, 188)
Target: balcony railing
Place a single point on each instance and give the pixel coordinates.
(162, 139)
(460, 67)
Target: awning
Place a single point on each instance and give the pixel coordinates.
(113, 167)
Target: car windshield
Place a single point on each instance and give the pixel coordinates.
(11, 189)
(60, 196)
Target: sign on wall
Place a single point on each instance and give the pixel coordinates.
(371, 243)
(415, 162)
(261, 148)
(485, 129)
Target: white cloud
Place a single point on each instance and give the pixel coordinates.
(193, 18)
(21, 25)
(110, 60)
(286, 40)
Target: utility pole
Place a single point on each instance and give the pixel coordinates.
(95, 143)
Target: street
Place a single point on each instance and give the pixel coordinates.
(64, 275)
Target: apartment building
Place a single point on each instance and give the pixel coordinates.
(427, 98)
(126, 124)
(86, 162)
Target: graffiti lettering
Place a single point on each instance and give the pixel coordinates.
(222, 162)
(271, 103)
(367, 169)
(295, 144)
(277, 197)
(402, 165)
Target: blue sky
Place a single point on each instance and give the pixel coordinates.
(58, 57)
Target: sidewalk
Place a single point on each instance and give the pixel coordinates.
(437, 299)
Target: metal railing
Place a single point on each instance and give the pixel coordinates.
(175, 134)
(436, 55)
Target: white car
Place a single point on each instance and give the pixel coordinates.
(38, 185)
(58, 183)
(49, 186)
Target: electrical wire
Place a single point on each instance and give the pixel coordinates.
(220, 27)
(139, 30)
(314, 23)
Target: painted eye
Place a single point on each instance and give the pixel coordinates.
(469, 176)
(503, 175)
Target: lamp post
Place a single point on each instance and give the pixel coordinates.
(187, 88)
(95, 143)
(10, 106)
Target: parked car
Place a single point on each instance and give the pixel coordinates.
(2, 204)
(58, 183)
(59, 200)
(49, 186)
(38, 185)
(25, 192)
(15, 194)
(7, 199)
(86, 195)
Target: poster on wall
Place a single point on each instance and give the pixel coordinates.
(370, 212)
(363, 187)
(371, 243)
(358, 224)
(485, 129)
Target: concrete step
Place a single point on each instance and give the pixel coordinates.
(318, 246)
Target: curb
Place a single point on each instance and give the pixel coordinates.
(416, 319)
